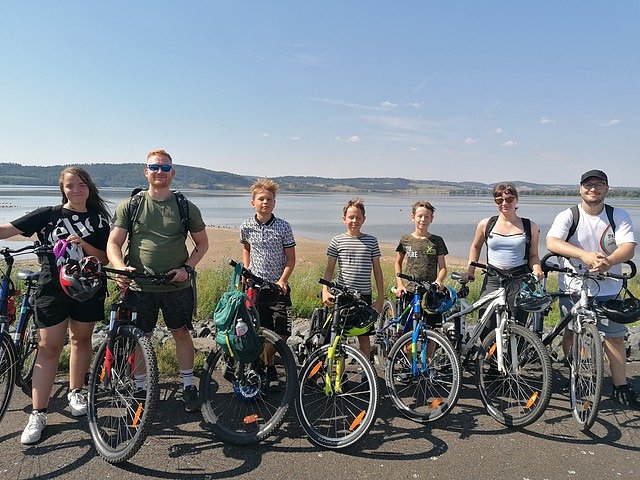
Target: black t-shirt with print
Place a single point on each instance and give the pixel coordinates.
(51, 224)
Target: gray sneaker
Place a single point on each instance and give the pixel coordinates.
(33, 431)
(191, 398)
(77, 402)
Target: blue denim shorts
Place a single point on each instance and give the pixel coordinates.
(612, 329)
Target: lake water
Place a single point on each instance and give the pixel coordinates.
(319, 216)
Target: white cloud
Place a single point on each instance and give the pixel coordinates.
(414, 149)
(510, 143)
(354, 139)
(415, 105)
(612, 122)
(499, 130)
(544, 120)
(294, 138)
(265, 134)
(388, 104)
(344, 103)
(306, 59)
(470, 141)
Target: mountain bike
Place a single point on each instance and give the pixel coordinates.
(338, 395)
(123, 390)
(586, 357)
(512, 366)
(391, 325)
(241, 403)
(18, 348)
(423, 370)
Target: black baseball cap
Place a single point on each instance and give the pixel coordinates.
(594, 173)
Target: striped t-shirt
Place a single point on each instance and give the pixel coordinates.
(355, 260)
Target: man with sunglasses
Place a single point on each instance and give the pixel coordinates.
(157, 242)
(597, 245)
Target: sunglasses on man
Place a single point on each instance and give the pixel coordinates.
(154, 167)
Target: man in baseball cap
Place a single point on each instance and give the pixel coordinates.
(594, 174)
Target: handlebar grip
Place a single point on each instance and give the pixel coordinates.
(326, 283)
(232, 262)
(411, 278)
(478, 264)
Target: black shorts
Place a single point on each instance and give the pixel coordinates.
(53, 306)
(277, 317)
(176, 307)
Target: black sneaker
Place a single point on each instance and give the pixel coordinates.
(191, 398)
(272, 376)
(625, 395)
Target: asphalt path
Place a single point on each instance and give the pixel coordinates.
(467, 443)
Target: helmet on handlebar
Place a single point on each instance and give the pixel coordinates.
(359, 318)
(625, 310)
(532, 297)
(81, 280)
(439, 301)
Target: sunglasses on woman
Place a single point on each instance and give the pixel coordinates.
(501, 200)
(154, 167)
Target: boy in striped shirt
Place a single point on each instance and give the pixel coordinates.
(357, 254)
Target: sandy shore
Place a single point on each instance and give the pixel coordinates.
(224, 243)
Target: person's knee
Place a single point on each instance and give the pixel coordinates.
(182, 335)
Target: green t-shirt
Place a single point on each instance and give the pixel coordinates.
(156, 240)
(421, 255)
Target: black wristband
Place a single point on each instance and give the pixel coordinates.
(188, 268)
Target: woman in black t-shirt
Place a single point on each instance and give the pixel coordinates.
(83, 220)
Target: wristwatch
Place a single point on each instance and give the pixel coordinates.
(188, 269)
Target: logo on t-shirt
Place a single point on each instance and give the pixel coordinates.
(608, 241)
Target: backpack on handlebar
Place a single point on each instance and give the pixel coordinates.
(233, 307)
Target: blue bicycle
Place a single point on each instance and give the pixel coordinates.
(423, 370)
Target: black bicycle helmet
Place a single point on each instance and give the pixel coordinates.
(532, 297)
(625, 310)
(358, 319)
(81, 280)
(439, 301)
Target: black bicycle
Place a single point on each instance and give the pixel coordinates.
(123, 380)
(18, 347)
(244, 402)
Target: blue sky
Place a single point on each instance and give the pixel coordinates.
(449, 90)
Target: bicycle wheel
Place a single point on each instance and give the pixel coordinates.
(120, 413)
(384, 336)
(7, 372)
(587, 370)
(518, 397)
(28, 354)
(433, 391)
(338, 398)
(241, 407)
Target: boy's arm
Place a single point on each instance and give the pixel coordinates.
(442, 271)
(377, 275)
(246, 254)
(327, 298)
(397, 267)
(290, 253)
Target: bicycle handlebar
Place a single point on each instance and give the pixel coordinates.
(159, 279)
(249, 274)
(420, 283)
(340, 289)
(556, 268)
(36, 248)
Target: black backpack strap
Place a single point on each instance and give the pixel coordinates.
(487, 231)
(183, 207)
(575, 218)
(137, 195)
(526, 224)
(609, 210)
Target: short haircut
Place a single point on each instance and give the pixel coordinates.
(354, 202)
(506, 187)
(426, 205)
(264, 184)
(159, 153)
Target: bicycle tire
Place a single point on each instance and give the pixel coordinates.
(587, 371)
(119, 416)
(28, 349)
(245, 411)
(516, 398)
(8, 368)
(384, 336)
(337, 420)
(428, 396)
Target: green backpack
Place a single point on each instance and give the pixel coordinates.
(231, 308)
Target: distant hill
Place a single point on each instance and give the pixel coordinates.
(129, 175)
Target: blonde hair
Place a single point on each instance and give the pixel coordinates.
(159, 153)
(264, 184)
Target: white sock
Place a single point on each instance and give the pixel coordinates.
(187, 377)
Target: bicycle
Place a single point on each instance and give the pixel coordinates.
(338, 395)
(391, 325)
(123, 390)
(586, 357)
(18, 349)
(239, 404)
(423, 370)
(512, 366)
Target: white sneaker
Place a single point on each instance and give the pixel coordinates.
(77, 403)
(33, 431)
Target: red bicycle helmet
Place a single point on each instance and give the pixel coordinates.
(81, 280)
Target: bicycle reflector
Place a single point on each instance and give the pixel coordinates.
(625, 310)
